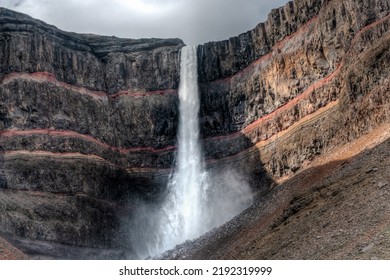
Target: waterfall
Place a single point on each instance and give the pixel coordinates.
(195, 201)
(186, 200)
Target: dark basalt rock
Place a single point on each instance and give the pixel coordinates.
(71, 107)
(101, 63)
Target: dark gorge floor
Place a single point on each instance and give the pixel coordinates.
(337, 208)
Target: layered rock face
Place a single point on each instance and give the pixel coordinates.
(286, 96)
(88, 123)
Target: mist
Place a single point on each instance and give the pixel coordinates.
(228, 195)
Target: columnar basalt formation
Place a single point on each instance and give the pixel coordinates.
(88, 123)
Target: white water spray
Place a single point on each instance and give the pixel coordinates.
(186, 201)
(191, 206)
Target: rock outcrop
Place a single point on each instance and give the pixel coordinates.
(88, 123)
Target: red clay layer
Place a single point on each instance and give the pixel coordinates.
(294, 101)
(286, 106)
(101, 95)
(42, 153)
(46, 153)
(72, 134)
(367, 27)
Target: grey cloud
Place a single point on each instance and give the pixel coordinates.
(194, 21)
(12, 3)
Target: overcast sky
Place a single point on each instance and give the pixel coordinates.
(194, 21)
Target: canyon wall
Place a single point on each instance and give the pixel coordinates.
(285, 97)
(87, 126)
(88, 123)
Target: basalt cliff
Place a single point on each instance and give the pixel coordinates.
(88, 124)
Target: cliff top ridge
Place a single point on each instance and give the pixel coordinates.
(100, 45)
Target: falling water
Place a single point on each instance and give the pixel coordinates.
(185, 204)
(191, 206)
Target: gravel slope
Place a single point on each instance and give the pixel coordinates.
(8, 252)
(337, 208)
